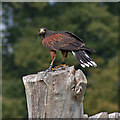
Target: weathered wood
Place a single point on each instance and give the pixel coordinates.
(57, 94)
(100, 116)
(114, 116)
(105, 116)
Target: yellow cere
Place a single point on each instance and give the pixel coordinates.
(41, 30)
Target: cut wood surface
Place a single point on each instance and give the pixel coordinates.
(57, 94)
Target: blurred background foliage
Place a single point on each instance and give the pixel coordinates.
(23, 53)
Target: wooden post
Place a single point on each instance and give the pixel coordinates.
(57, 94)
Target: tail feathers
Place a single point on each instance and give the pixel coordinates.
(84, 59)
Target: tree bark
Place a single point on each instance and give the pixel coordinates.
(57, 94)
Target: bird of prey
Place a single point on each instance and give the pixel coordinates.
(65, 42)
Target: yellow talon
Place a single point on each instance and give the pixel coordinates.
(62, 65)
(52, 69)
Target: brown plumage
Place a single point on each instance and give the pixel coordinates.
(66, 42)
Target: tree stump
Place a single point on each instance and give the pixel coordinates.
(57, 94)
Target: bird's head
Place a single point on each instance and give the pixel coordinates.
(41, 32)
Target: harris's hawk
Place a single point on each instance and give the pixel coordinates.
(66, 42)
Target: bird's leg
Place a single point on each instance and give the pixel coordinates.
(51, 64)
(63, 61)
(53, 56)
(64, 55)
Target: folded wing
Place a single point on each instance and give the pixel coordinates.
(62, 42)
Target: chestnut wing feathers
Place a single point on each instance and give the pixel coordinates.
(62, 42)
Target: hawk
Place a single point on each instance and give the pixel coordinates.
(65, 42)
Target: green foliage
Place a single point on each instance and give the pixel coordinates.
(23, 52)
